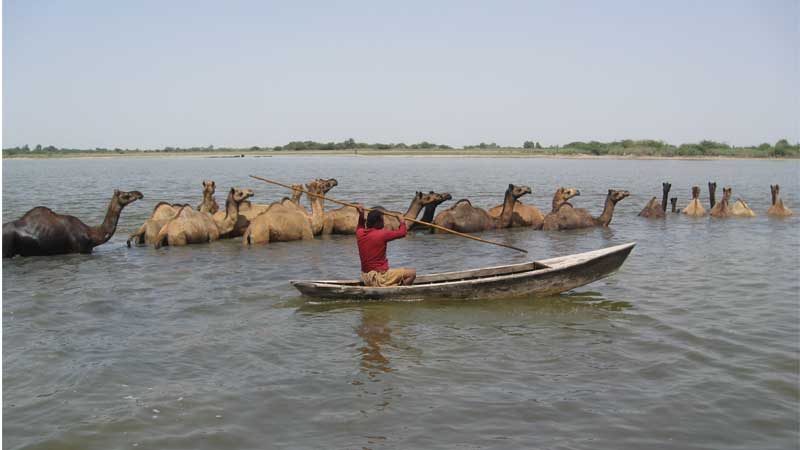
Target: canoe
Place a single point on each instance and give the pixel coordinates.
(530, 279)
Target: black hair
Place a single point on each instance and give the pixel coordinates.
(375, 219)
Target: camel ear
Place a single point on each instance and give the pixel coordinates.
(116, 191)
(232, 190)
(510, 186)
(610, 191)
(419, 194)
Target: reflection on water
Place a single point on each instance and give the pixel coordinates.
(375, 331)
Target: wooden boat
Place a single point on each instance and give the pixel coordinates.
(534, 278)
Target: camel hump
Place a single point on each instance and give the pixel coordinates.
(159, 204)
(463, 200)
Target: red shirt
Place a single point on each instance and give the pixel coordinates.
(372, 245)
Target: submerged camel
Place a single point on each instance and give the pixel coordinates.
(430, 211)
(283, 221)
(723, 208)
(569, 218)
(466, 218)
(345, 219)
(209, 204)
(522, 216)
(712, 194)
(695, 209)
(43, 232)
(162, 213)
(742, 209)
(777, 209)
(656, 210)
(193, 227)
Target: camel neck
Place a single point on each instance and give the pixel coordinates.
(208, 202)
(664, 198)
(413, 210)
(504, 220)
(296, 197)
(227, 224)
(317, 213)
(608, 212)
(104, 231)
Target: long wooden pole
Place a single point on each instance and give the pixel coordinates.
(399, 216)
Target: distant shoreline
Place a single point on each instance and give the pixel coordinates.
(493, 153)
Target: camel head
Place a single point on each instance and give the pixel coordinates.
(518, 191)
(327, 185)
(565, 194)
(616, 196)
(695, 192)
(209, 187)
(775, 190)
(726, 194)
(440, 198)
(239, 195)
(125, 198)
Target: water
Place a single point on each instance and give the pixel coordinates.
(693, 344)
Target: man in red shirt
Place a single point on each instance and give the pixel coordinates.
(372, 239)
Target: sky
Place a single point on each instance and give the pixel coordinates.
(152, 74)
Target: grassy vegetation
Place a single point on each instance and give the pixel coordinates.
(625, 148)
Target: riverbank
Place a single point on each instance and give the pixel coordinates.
(425, 153)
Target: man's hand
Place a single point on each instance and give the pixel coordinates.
(360, 209)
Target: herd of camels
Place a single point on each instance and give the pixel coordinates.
(43, 232)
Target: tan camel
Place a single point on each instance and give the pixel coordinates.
(723, 208)
(192, 227)
(282, 221)
(777, 209)
(568, 218)
(466, 218)
(522, 216)
(42, 232)
(561, 196)
(695, 209)
(742, 209)
(209, 204)
(656, 210)
(162, 213)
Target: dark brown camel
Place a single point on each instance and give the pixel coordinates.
(43, 232)
(712, 194)
(656, 210)
(430, 210)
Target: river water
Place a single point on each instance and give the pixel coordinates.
(694, 343)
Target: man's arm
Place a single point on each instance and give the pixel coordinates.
(361, 223)
(396, 234)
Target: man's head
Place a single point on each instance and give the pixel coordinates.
(375, 219)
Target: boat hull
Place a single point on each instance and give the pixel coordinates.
(541, 278)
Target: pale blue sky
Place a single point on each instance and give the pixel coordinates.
(151, 74)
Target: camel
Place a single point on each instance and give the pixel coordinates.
(656, 210)
(466, 218)
(561, 196)
(777, 209)
(43, 232)
(722, 209)
(193, 227)
(568, 218)
(712, 194)
(522, 216)
(741, 209)
(345, 219)
(430, 210)
(674, 202)
(695, 209)
(162, 213)
(282, 221)
(208, 205)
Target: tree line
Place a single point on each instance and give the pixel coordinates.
(781, 148)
